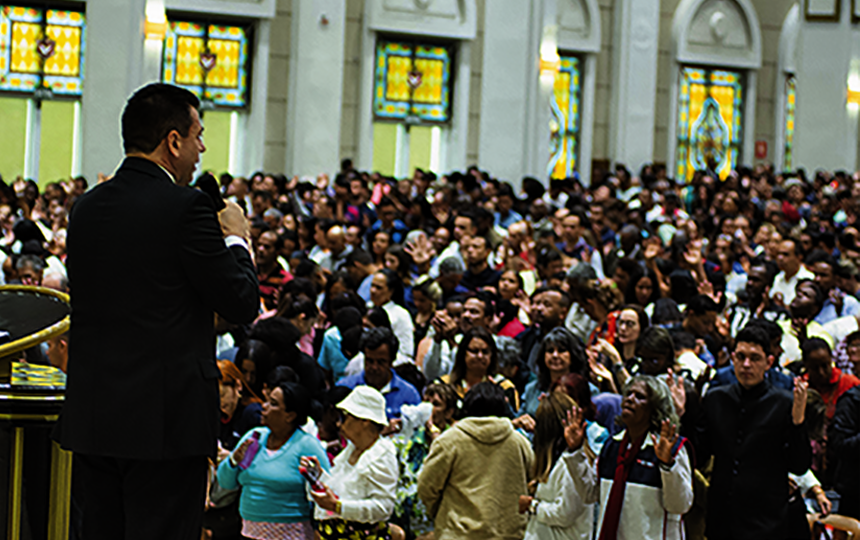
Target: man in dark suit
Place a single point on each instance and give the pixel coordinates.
(149, 266)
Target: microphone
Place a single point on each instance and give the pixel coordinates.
(208, 185)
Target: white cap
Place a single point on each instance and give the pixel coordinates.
(366, 403)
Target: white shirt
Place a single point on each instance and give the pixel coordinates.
(689, 361)
(366, 489)
(401, 325)
(560, 512)
(786, 287)
(451, 250)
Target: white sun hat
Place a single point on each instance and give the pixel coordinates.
(366, 403)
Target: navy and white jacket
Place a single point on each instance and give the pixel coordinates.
(649, 511)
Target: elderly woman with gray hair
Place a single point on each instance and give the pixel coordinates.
(643, 476)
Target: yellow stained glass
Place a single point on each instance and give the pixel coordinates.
(725, 97)
(66, 58)
(188, 68)
(225, 74)
(561, 89)
(24, 38)
(397, 85)
(430, 89)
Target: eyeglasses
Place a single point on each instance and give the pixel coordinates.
(478, 352)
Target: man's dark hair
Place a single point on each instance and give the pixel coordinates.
(302, 306)
(819, 255)
(506, 190)
(470, 215)
(385, 201)
(565, 298)
(770, 268)
(488, 300)
(820, 297)
(378, 317)
(813, 344)
(853, 337)
(773, 330)
(358, 256)
(351, 341)
(376, 338)
(701, 304)
(485, 399)
(682, 340)
(152, 113)
(548, 255)
(756, 335)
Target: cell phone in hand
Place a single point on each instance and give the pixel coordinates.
(312, 475)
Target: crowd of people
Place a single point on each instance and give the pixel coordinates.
(447, 357)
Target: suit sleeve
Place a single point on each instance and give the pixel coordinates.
(843, 435)
(224, 277)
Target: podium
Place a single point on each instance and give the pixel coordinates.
(32, 396)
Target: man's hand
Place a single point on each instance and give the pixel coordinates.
(421, 251)
(798, 408)
(799, 325)
(233, 221)
(663, 447)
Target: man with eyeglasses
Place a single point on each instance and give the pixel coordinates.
(756, 434)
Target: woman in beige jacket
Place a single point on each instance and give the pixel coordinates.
(476, 471)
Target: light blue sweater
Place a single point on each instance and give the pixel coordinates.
(273, 490)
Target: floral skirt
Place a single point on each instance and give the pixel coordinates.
(339, 529)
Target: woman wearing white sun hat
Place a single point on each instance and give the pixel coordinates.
(359, 491)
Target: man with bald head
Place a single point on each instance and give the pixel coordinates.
(338, 249)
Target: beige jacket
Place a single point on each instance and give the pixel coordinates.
(472, 480)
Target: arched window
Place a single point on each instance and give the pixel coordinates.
(710, 121)
(565, 118)
(42, 52)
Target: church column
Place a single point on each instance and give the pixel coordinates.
(504, 86)
(826, 125)
(114, 69)
(316, 86)
(634, 92)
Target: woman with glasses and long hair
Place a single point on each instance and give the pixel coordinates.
(477, 360)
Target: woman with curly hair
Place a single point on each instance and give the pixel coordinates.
(643, 476)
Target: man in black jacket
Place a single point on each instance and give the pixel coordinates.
(843, 448)
(756, 434)
(149, 265)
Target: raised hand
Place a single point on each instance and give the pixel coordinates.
(663, 446)
(679, 395)
(798, 408)
(574, 428)
(421, 250)
(651, 251)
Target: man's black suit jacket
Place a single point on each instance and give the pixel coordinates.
(148, 266)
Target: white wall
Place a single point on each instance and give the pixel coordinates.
(316, 87)
(503, 90)
(826, 132)
(113, 70)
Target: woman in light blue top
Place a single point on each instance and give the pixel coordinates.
(560, 353)
(274, 502)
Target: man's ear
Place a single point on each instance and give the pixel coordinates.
(173, 143)
(770, 360)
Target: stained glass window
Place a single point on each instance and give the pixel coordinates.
(710, 109)
(564, 119)
(210, 60)
(42, 48)
(790, 111)
(413, 80)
